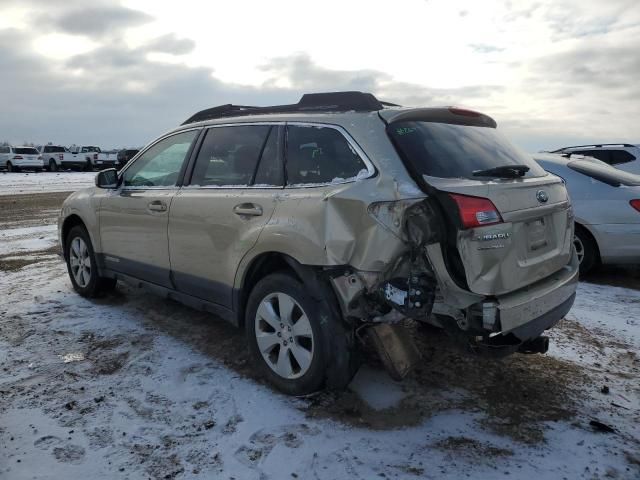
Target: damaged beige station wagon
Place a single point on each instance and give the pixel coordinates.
(319, 225)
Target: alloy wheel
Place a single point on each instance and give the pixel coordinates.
(579, 246)
(80, 262)
(284, 335)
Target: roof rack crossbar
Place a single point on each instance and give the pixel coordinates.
(310, 102)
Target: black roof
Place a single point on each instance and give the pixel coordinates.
(309, 103)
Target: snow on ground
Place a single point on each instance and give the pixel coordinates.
(133, 386)
(32, 182)
(17, 240)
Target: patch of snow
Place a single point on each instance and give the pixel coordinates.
(27, 239)
(376, 388)
(29, 182)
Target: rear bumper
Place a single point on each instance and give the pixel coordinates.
(106, 163)
(28, 163)
(530, 311)
(76, 163)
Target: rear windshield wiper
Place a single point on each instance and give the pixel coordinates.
(504, 171)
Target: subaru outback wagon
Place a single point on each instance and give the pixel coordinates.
(310, 224)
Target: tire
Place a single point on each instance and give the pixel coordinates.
(53, 166)
(88, 167)
(11, 168)
(298, 357)
(586, 249)
(84, 277)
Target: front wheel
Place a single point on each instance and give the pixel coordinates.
(291, 335)
(82, 265)
(11, 167)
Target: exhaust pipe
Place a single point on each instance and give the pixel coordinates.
(537, 345)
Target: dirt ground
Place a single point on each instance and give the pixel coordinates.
(524, 403)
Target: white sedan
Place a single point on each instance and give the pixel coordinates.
(606, 204)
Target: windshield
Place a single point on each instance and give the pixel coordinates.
(456, 151)
(605, 173)
(25, 151)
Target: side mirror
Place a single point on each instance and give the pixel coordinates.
(107, 178)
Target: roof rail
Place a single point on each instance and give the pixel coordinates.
(309, 103)
(596, 145)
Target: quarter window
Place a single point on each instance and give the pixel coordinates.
(621, 156)
(319, 155)
(229, 155)
(160, 165)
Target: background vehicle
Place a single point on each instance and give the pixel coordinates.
(54, 156)
(125, 155)
(606, 205)
(14, 159)
(90, 157)
(314, 224)
(623, 156)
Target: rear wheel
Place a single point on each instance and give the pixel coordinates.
(87, 166)
(53, 166)
(586, 249)
(11, 168)
(82, 265)
(292, 335)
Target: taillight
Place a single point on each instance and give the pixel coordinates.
(39, 157)
(635, 204)
(465, 112)
(95, 156)
(61, 157)
(17, 157)
(476, 211)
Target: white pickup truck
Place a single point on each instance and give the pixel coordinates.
(54, 157)
(89, 157)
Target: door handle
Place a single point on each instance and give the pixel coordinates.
(248, 209)
(157, 206)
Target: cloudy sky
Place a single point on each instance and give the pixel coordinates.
(119, 73)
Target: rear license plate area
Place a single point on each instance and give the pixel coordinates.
(537, 234)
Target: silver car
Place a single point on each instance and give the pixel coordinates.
(624, 156)
(606, 204)
(317, 225)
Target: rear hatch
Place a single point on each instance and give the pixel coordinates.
(26, 155)
(510, 222)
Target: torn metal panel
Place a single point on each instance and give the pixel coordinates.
(395, 347)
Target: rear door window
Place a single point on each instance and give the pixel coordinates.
(456, 151)
(320, 155)
(229, 155)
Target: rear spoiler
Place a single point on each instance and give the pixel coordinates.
(451, 115)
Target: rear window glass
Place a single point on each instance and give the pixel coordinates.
(604, 173)
(320, 155)
(25, 151)
(456, 151)
(50, 149)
